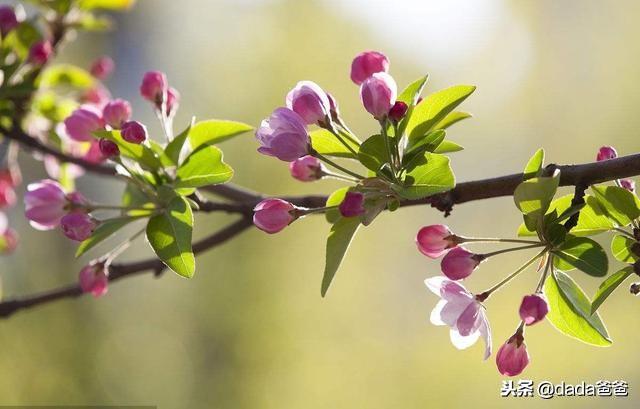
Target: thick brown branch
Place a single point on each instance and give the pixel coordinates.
(119, 271)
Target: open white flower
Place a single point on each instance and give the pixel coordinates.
(460, 310)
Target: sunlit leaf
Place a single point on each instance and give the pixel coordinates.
(581, 253)
(609, 285)
(338, 242)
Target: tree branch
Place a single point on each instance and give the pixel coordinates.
(119, 271)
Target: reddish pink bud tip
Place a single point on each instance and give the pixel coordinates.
(94, 279)
(352, 205)
(78, 226)
(398, 111)
(40, 52)
(8, 20)
(154, 85)
(533, 308)
(134, 132)
(306, 169)
(606, 153)
(459, 263)
(435, 240)
(102, 67)
(8, 196)
(366, 64)
(108, 148)
(628, 184)
(273, 215)
(512, 358)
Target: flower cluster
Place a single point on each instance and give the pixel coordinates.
(10, 178)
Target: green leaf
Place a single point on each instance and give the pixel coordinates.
(373, 153)
(169, 234)
(448, 146)
(622, 249)
(158, 149)
(139, 153)
(619, 204)
(173, 149)
(609, 285)
(338, 242)
(214, 131)
(410, 96)
(334, 199)
(66, 75)
(430, 174)
(21, 38)
(434, 108)
(105, 230)
(326, 143)
(203, 167)
(534, 166)
(592, 219)
(106, 4)
(583, 254)
(533, 197)
(452, 118)
(429, 143)
(570, 311)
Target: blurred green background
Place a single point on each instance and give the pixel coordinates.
(250, 329)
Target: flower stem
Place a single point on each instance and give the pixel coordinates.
(511, 276)
(304, 212)
(544, 275)
(110, 256)
(346, 178)
(462, 239)
(495, 253)
(333, 130)
(335, 165)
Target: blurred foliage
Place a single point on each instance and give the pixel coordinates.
(251, 330)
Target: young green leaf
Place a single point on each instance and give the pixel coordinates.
(326, 143)
(173, 149)
(533, 197)
(427, 144)
(338, 242)
(203, 167)
(609, 285)
(373, 153)
(214, 131)
(106, 4)
(105, 230)
(622, 249)
(581, 253)
(448, 146)
(429, 175)
(434, 108)
(570, 311)
(410, 96)
(619, 204)
(66, 75)
(452, 118)
(534, 166)
(169, 234)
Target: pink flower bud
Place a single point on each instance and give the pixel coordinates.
(435, 240)
(606, 153)
(108, 148)
(11, 176)
(154, 84)
(273, 215)
(352, 205)
(134, 132)
(306, 169)
(116, 113)
(513, 357)
(8, 241)
(97, 96)
(378, 94)
(94, 279)
(459, 263)
(173, 100)
(628, 184)
(78, 226)
(533, 308)
(83, 122)
(8, 20)
(398, 111)
(94, 154)
(309, 101)
(40, 52)
(7, 194)
(333, 107)
(102, 67)
(366, 64)
(284, 135)
(45, 203)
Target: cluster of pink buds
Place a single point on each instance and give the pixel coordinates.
(459, 308)
(155, 89)
(609, 152)
(10, 178)
(48, 206)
